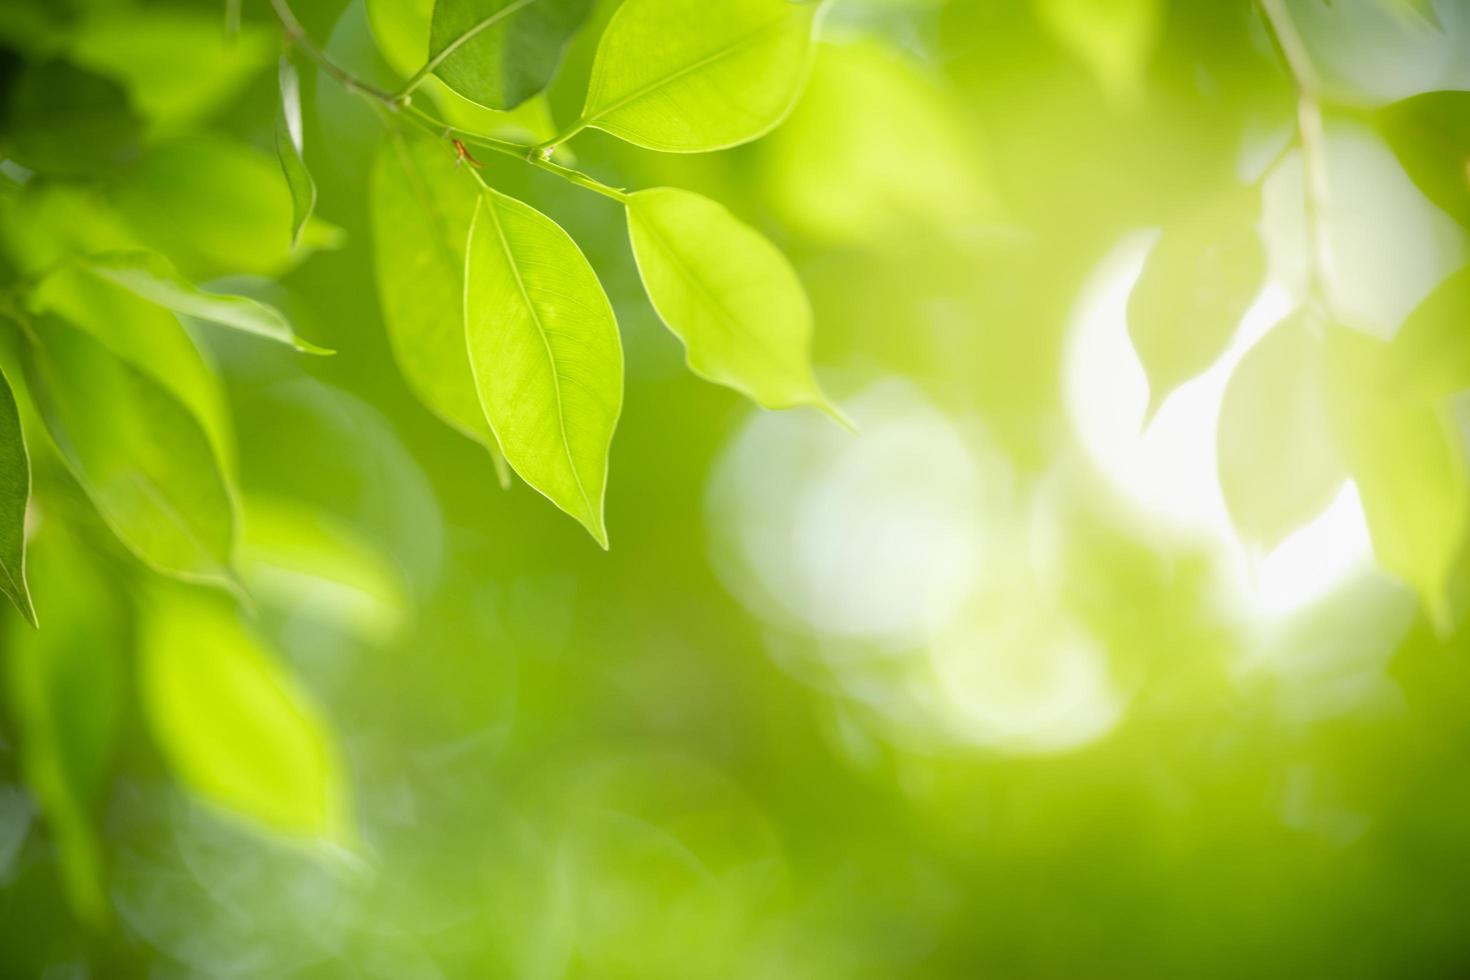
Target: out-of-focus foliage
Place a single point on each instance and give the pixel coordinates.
(1123, 633)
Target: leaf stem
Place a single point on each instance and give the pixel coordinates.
(296, 34)
(1312, 138)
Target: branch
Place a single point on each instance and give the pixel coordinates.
(1312, 138)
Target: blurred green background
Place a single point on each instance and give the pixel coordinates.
(989, 689)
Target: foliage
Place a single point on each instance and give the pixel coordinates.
(292, 690)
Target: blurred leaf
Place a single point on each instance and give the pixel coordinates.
(58, 119)
(289, 150)
(303, 561)
(150, 276)
(422, 204)
(1409, 463)
(45, 224)
(66, 697)
(499, 53)
(145, 335)
(231, 721)
(1422, 9)
(1197, 283)
(1430, 134)
(216, 207)
(844, 168)
(15, 494)
(178, 65)
(1113, 38)
(728, 294)
(1430, 355)
(1278, 460)
(138, 452)
(546, 355)
(687, 75)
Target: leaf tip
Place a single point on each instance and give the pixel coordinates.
(830, 409)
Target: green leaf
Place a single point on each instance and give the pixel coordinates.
(421, 209)
(177, 65)
(1430, 355)
(1196, 285)
(545, 352)
(690, 75)
(1430, 134)
(289, 150)
(1277, 456)
(57, 119)
(728, 294)
(66, 698)
(1408, 460)
(150, 276)
(401, 29)
(15, 494)
(234, 726)
(139, 453)
(499, 53)
(843, 168)
(146, 336)
(216, 207)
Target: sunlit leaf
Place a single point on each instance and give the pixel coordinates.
(57, 118)
(15, 494)
(139, 453)
(45, 224)
(1113, 38)
(1430, 355)
(1408, 459)
(690, 75)
(422, 206)
(178, 66)
(65, 695)
(1278, 461)
(728, 294)
(1196, 285)
(290, 151)
(152, 277)
(216, 207)
(843, 166)
(499, 53)
(1430, 134)
(233, 724)
(545, 352)
(305, 562)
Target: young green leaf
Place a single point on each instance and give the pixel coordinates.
(1196, 285)
(15, 494)
(1113, 38)
(233, 724)
(545, 352)
(728, 294)
(65, 697)
(1430, 134)
(290, 150)
(1430, 355)
(421, 210)
(138, 452)
(691, 75)
(1277, 458)
(499, 53)
(152, 277)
